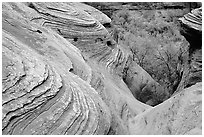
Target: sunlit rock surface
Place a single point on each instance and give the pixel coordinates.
(97, 46)
(40, 95)
(193, 19)
(62, 74)
(98, 15)
(181, 114)
(48, 88)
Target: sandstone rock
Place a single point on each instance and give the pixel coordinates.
(181, 114)
(51, 91)
(193, 19)
(143, 86)
(62, 74)
(95, 43)
(97, 14)
(40, 95)
(191, 29)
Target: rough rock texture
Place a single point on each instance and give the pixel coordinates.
(191, 29)
(95, 43)
(47, 86)
(181, 114)
(40, 95)
(62, 74)
(143, 86)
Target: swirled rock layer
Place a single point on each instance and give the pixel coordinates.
(193, 19)
(46, 82)
(97, 14)
(96, 45)
(62, 74)
(40, 95)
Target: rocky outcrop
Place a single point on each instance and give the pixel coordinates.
(191, 29)
(48, 88)
(181, 114)
(143, 86)
(95, 43)
(193, 19)
(62, 74)
(40, 95)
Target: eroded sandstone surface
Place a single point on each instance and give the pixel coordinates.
(63, 74)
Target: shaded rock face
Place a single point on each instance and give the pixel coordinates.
(62, 74)
(143, 86)
(191, 29)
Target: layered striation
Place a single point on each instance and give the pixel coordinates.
(97, 14)
(48, 88)
(40, 95)
(193, 19)
(64, 74)
(96, 45)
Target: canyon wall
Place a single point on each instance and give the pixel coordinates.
(63, 74)
(191, 29)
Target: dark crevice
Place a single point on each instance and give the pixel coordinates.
(75, 39)
(110, 131)
(32, 6)
(39, 31)
(56, 9)
(71, 70)
(12, 118)
(110, 44)
(107, 25)
(59, 31)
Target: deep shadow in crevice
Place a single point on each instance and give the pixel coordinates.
(32, 6)
(107, 25)
(39, 31)
(71, 70)
(110, 44)
(75, 39)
